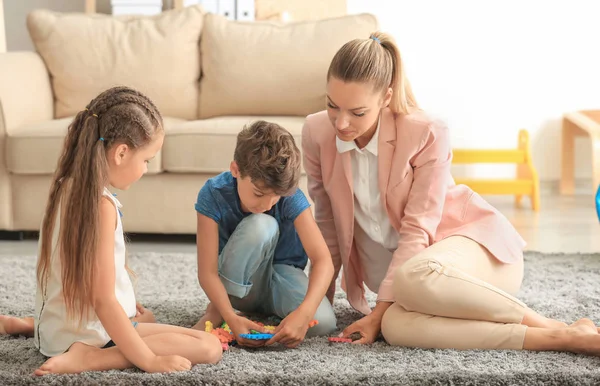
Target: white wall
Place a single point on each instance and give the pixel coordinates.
(2, 29)
(490, 68)
(15, 13)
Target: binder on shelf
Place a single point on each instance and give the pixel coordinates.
(227, 9)
(245, 10)
(242, 10)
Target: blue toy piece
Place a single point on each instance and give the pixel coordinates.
(256, 336)
(598, 202)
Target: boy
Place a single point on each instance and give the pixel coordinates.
(255, 234)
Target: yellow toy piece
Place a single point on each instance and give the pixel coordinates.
(208, 326)
(269, 328)
(525, 184)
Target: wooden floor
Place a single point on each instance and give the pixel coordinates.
(564, 224)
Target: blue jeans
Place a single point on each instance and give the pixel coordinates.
(254, 284)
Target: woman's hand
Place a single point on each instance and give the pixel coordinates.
(368, 327)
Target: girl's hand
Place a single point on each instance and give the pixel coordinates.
(140, 309)
(169, 364)
(292, 330)
(368, 328)
(143, 315)
(240, 325)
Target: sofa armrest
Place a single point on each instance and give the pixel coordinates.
(25, 91)
(25, 98)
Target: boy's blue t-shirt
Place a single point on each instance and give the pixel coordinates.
(218, 199)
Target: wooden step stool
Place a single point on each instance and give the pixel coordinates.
(525, 184)
(575, 124)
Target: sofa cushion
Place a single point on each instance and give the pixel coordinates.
(86, 54)
(206, 146)
(35, 149)
(264, 68)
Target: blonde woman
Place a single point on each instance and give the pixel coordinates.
(444, 263)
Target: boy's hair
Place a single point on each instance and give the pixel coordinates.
(118, 115)
(267, 153)
(377, 61)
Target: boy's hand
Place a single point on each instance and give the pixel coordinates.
(292, 330)
(240, 325)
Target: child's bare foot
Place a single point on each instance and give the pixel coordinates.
(211, 315)
(71, 362)
(11, 325)
(584, 337)
(533, 319)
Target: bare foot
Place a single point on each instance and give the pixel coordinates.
(11, 325)
(584, 337)
(211, 315)
(553, 323)
(533, 319)
(71, 362)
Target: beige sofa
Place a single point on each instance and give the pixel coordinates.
(208, 76)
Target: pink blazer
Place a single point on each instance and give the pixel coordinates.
(423, 202)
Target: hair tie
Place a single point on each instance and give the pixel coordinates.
(376, 39)
(94, 115)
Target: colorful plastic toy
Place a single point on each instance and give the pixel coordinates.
(598, 202)
(339, 340)
(227, 338)
(225, 327)
(256, 336)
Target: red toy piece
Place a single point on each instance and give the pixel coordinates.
(224, 336)
(339, 340)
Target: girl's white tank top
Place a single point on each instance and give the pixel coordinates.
(54, 332)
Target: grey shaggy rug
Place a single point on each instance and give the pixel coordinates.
(559, 286)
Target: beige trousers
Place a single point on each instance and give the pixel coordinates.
(455, 294)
